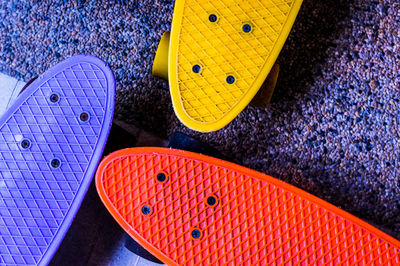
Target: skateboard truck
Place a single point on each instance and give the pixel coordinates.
(181, 141)
(160, 69)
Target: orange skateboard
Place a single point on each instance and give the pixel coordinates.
(187, 208)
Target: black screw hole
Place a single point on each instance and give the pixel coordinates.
(54, 98)
(211, 201)
(161, 177)
(230, 79)
(25, 144)
(84, 116)
(196, 69)
(246, 28)
(55, 163)
(196, 234)
(213, 18)
(146, 210)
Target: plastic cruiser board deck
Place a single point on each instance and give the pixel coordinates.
(192, 209)
(51, 140)
(220, 54)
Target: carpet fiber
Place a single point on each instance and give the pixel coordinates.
(332, 128)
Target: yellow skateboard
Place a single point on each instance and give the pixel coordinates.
(219, 54)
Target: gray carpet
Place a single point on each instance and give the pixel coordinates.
(332, 128)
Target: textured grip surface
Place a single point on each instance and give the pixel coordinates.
(221, 52)
(256, 219)
(51, 141)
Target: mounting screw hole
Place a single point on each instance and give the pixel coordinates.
(161, 177)
(230, 79)
(146, 210)
(55, 163)
(84, 117)
(196, 69)
(212, 18)
(246, 28)
(211, 201)
(25, 144)
(196, 233)
(54, 98)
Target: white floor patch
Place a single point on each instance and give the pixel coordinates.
(9, 90)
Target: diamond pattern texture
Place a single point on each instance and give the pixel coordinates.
(222, 48)
(35, 198)
(257, 220)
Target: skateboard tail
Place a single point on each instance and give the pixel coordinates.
(208, 211)
(51, 140)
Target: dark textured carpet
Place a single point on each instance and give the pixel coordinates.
(332, 128)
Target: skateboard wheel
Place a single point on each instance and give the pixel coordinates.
(160, 64)
(134, 247)
(25, 144)
(54, 98)
(84, 117)
(230, 79)
(264, 94)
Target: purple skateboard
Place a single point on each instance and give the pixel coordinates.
(51, 141)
